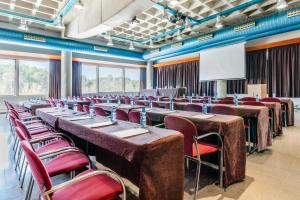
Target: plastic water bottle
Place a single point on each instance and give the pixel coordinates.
(150, 104)
(75, 107)
(119, 101)
(171, 105)
(131, 102)
(66, 104)
(78, 98)
(256, 98)
(92, 111)
(190, 99)
(197, 96)
(204, 108)
(193, 94)
(209, 100)
(157, 99)
(235, 100)
(145, 98)
(113, 114)
(143, 118)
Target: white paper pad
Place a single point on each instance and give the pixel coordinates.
(100, 124)
(164, 111)
(79, 118)
(129, 132)
(202, 116)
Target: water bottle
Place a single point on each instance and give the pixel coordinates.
(74, 98)
(197, 96)
(157, 99)
(131, 102)
(256, 98)
(113, 114)
(78, 98)
(75, 107)
(193, 94)
(235, 100)
(57, 104)
(171, 105)
(183, 95)
(209, 100)
(143, 118)
(190, 99)
(107, 100)
(119, 101)
(204, 108)
(150, 104)
(66, 104)
(145, 98)
(92, 111)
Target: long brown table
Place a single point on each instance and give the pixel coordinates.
(124, 107)
(259, 112)
(153, 161)
(232, 129)
(34, 106)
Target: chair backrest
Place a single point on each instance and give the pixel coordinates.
(12, 119)
(253, 103)
(134, 116)
(93, 100)
(271, 99)
(79, 108)
(86, 108)
(38, 169)
(224, 110)
(248, 99)
(155, 105)
(193, 108)
(98, 101)
(23, 128)
(167, 106)
(228, 98)
(186, 127)
(100, 111)
(20, 134)
(151, 98)
(126, 100)
(121, 115)
(226, 102)
(61, 104)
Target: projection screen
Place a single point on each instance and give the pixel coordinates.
(222, 63)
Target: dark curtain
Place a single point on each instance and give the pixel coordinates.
(237, 86)
(142, 78)
(154, 76)
(76, 78)
(284, 67)
(256, 67)
(207, 88)
(179, 75)
(55, 79)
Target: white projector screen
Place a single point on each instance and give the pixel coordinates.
(221, 63)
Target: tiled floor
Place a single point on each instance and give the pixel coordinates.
(271, 175)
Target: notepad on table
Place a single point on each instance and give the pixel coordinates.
(202, 116)
(129, 132)
(79, 118)
(99, 124)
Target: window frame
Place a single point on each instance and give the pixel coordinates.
(97, 78)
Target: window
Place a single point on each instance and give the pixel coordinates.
(7, 77)
(110, 79)
(33, 77)
(132, 79)
(89, 79)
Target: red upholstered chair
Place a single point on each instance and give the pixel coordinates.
(226, 102)
(79, 108)
(126, 100)
(248, 99)
(100, 112)
(140, 103)
(193, 149)
(193, 108)
(253, 103)
(134, 116)
(167, 106)
(86, 108)
(151, 98)
(121, 115)
(228, 98)
(223, 110)
(98, 101)
(61, 104)
(271, 99)
(89, 185)
(155, 105)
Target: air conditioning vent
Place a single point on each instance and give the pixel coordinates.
(244, 26)
(178, 44)
(205, 37)
(34, 38)
(293, 13)
(97, 48)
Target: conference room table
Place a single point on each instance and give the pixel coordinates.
(124, 107)
(260, 113)
(290, 110)
(230, 127)
(81, 102)
(33, 106)
(152, 160)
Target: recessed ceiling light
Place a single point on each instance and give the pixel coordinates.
(23, 25)
(79, 5)
(281, 4)
(219, 23)
(174, 2)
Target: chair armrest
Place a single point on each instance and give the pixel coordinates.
(30, 118)
(47, 137)
(86, 176)
(160, 125)
(30, 122)
(61, 150)
(38, 127)
(207, 135)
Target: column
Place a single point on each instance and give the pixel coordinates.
(149, 75)
(66, 74)
(221, 88)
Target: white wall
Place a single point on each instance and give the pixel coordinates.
(181, 57)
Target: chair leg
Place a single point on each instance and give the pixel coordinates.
(21, 170)
(24, 175)
(18, 159)
(29, 189)
(221, 169)
(249, 139)
(197, 178)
